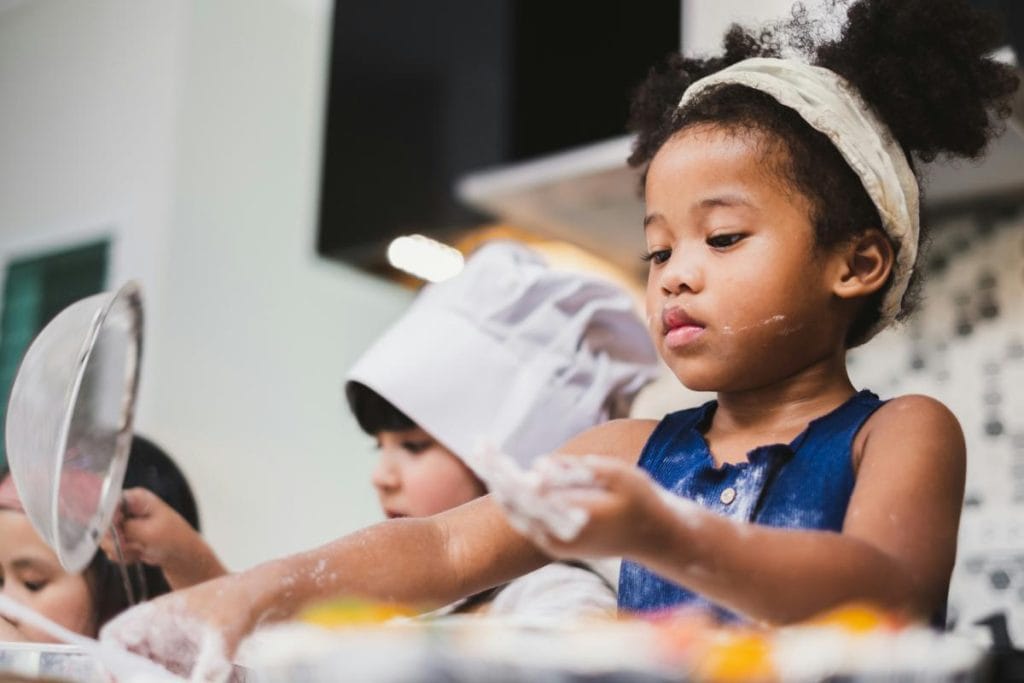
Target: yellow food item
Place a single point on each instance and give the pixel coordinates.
(351, 612)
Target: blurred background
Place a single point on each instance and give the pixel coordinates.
(280, 176)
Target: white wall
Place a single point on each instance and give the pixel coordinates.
(190, 131)
(89, 96)
(256, 337)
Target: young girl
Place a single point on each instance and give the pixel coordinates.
(782, 226)
(30, 572)
(498, 350)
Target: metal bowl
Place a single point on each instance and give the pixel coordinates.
(69, 420)
(49, 661)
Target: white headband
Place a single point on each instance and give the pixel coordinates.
(830, 105)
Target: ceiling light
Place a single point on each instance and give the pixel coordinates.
(425, 258)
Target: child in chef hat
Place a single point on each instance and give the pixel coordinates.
(512, 352)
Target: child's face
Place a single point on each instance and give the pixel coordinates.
(737, 295)
(31, 574)
(417, 477)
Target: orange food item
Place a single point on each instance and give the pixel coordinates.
(858, 617)
(737, 656)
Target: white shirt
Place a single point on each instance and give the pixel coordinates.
(557, 591)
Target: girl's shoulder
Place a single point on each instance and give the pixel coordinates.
(623, 439)
(909, 412)
(913, 424)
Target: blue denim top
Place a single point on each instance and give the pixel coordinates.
(804, 485)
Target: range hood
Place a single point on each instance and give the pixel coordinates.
(589, 196)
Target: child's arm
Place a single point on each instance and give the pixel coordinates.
(154, 533)
(427, 562)
(896, 549)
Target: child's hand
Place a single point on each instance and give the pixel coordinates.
(193, 632)
(154, 533)
(620, 503)
(149, 528)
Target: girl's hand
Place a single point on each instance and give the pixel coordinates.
(154, 533)
(622, 506)
(193, 632)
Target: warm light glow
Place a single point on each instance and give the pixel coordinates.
(425, 258)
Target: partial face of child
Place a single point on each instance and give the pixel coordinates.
(416, 476)
(31, 574)
(738, 296)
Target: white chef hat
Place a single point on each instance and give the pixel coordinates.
(513, 352)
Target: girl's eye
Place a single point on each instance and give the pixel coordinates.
(35, 586)
(657, 256)
(416, 447)
(723, 241)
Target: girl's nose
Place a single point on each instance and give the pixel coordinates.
(681, 273)
(385, 473)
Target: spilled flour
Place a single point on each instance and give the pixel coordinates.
(530, 497)
(775, 319)
(166, 635)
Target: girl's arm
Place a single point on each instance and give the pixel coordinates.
(429, 561)
(424, 562)
(896, 549)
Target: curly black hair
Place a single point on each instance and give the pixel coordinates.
(922, 65)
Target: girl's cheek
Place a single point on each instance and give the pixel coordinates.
(69, 603)
(437, 489)
(420, 490)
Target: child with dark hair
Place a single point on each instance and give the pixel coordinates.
(415, 475)
(492, 354)
(30, 572)
(782, 226)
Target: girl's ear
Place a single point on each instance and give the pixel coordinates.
(865, 264)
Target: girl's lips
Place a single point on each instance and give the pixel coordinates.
(680, 328)
(681, 336)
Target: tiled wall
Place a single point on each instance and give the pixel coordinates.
(965, 346)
